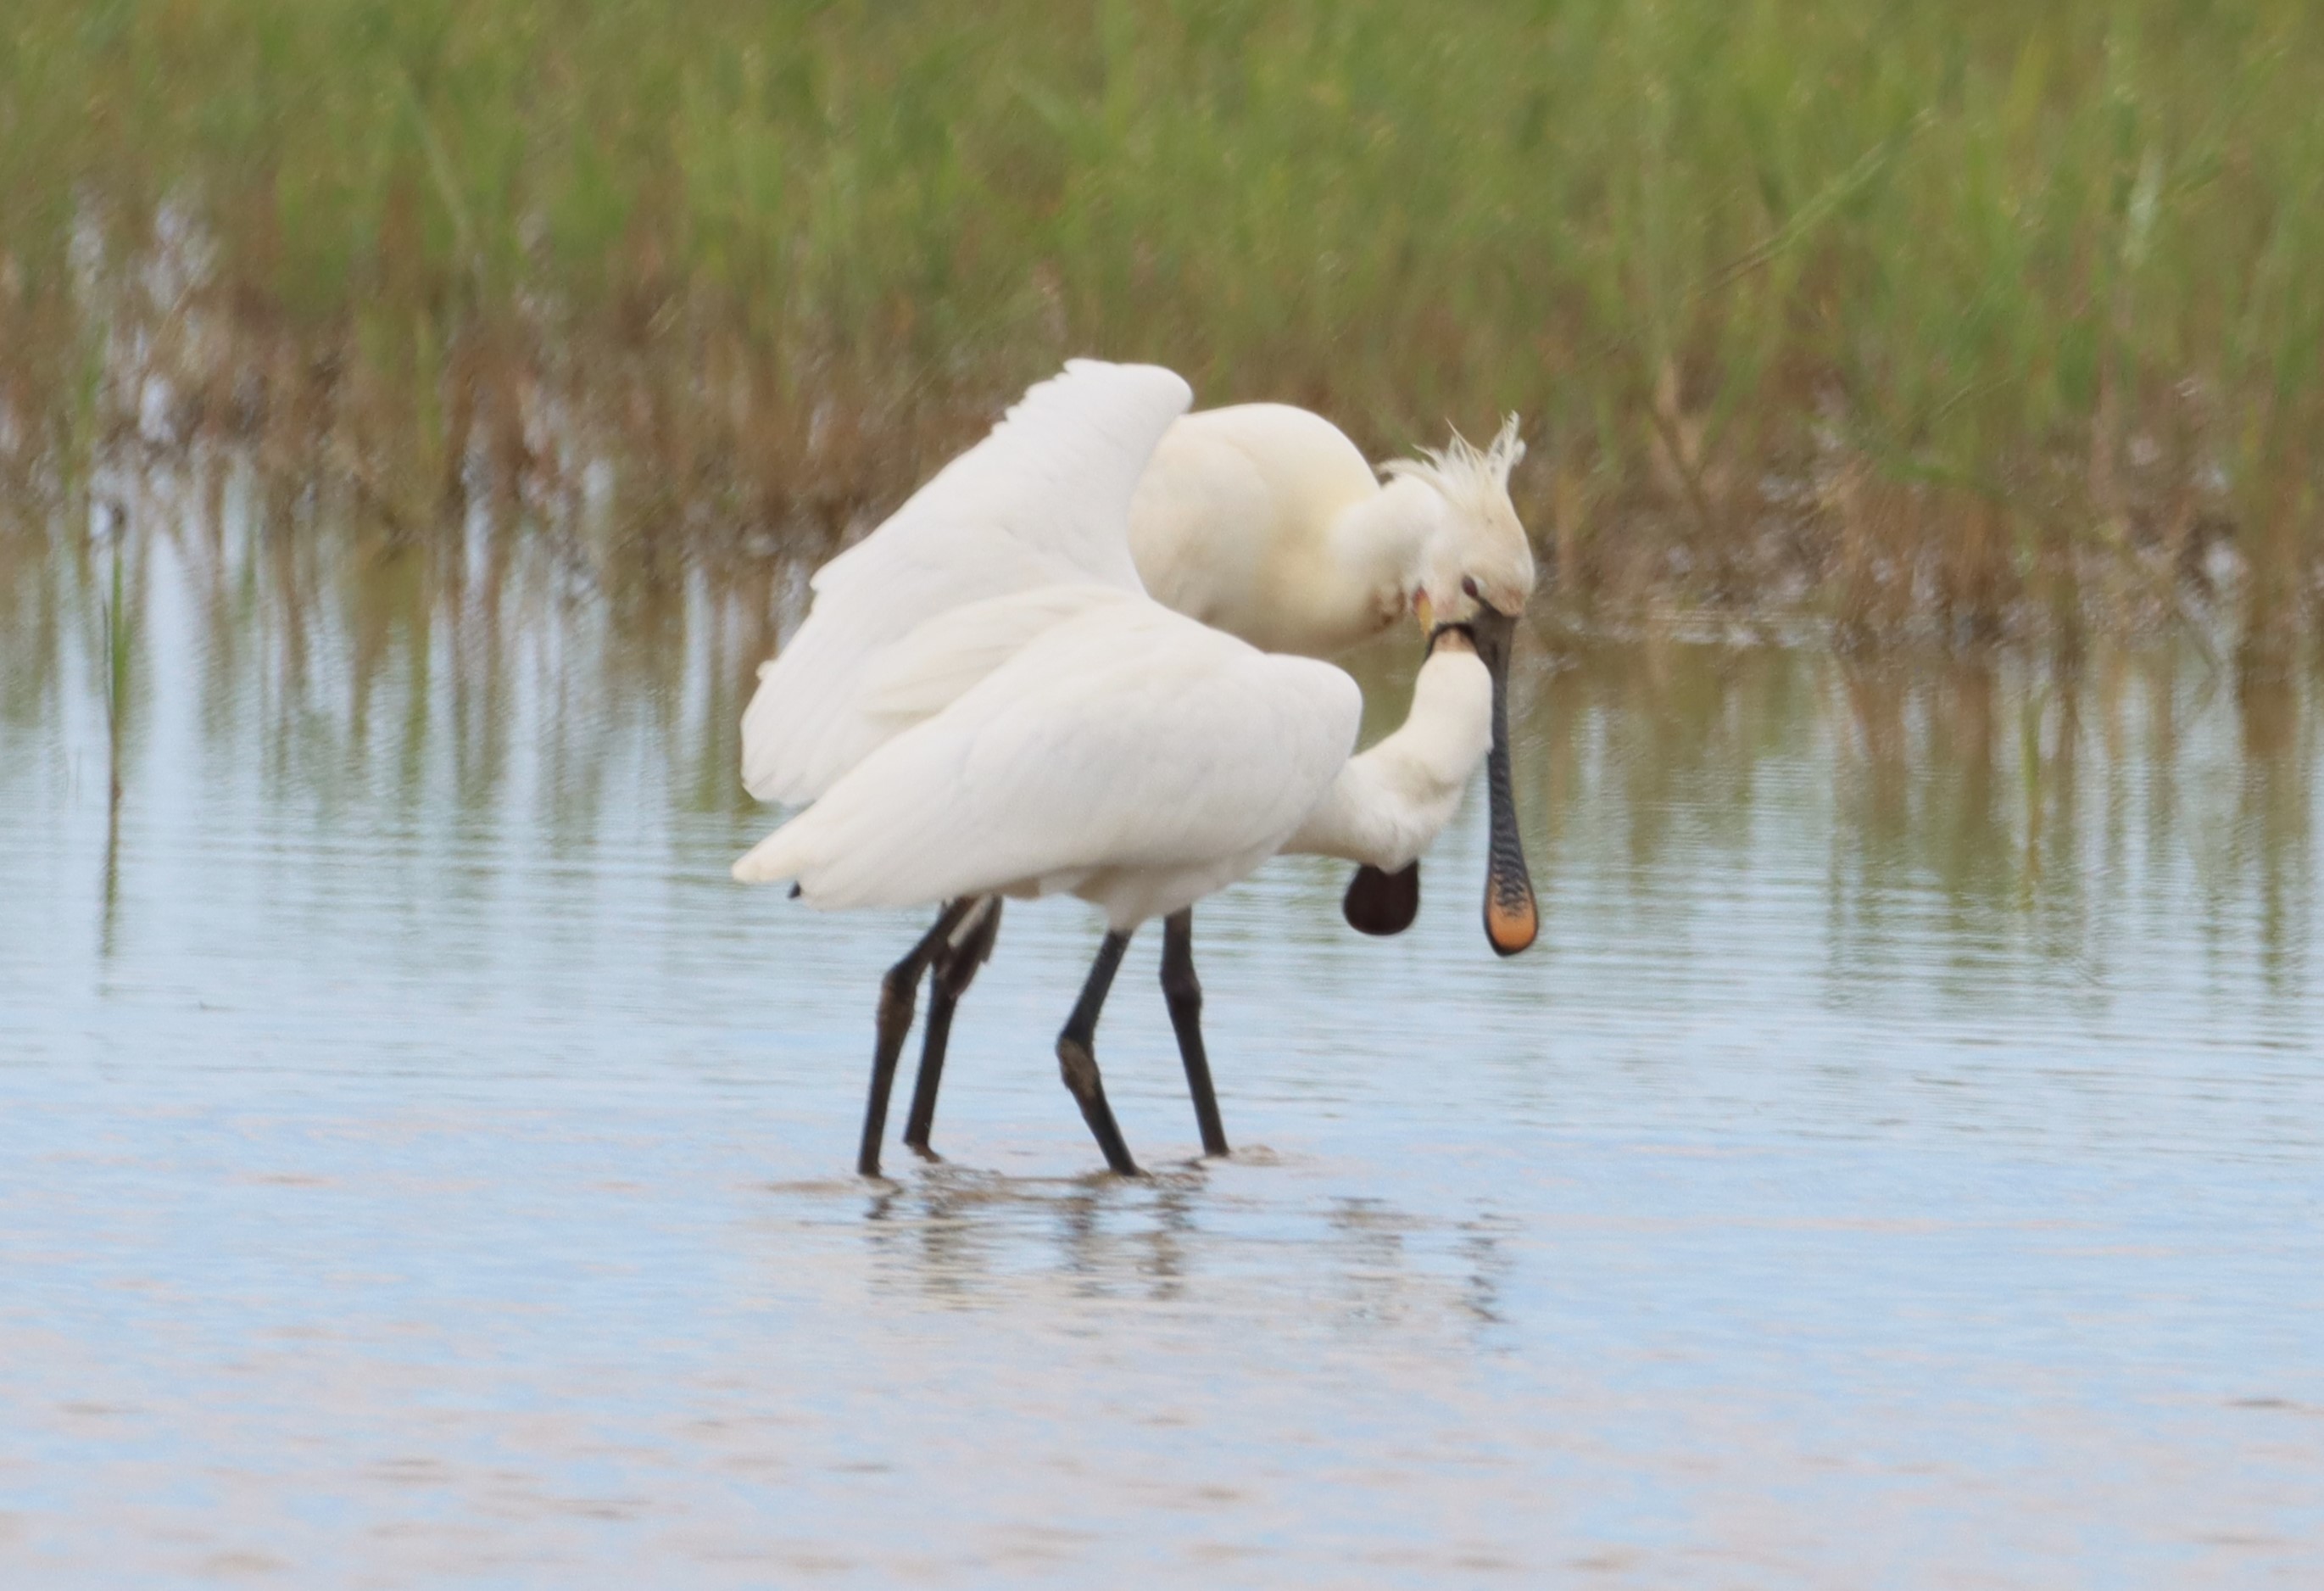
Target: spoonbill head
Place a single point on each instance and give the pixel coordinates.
(1265, 520)
(1479, 552)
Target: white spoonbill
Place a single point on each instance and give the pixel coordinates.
(1044, 500)
(1087, 740)
(1265, 520)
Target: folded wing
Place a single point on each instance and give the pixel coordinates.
(1044, 500)
(1125, 737)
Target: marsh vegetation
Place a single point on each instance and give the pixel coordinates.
(1965, 320)
(418, 417)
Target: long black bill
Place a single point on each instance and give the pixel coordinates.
(1511, 919)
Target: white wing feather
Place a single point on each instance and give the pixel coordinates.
(1043, 500)
(930, 669)
(1125, 738)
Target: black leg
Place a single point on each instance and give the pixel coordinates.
(897, 992)
(954, 970)
(1182, 991)
(1078, 1061)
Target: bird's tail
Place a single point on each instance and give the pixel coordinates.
(787, 853)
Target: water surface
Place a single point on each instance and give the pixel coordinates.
(1896, 1165)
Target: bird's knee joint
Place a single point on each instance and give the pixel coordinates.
(1078, 1067)
(1183, 989)
(896, 995)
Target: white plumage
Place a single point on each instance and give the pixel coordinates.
(1267, 522)
(1124, 753)
(1041, 501)
(984, 700)
(1258, 519)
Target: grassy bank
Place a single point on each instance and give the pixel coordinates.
(1978, 316)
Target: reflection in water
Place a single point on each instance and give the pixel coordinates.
(442, 680)
(420, 1159)
(1981, 812)
(953, 1235)
(977, 1240)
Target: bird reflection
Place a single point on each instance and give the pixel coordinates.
(1347, 1261)
(958, 1234)
(1488, 1265)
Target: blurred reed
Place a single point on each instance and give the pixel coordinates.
(422, 685)
(1980, 320)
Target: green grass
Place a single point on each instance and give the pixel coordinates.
(1997, 313)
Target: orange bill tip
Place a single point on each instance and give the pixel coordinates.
(1511, 925)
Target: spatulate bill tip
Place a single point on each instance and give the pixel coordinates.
(1382, 904)
(1512, 921)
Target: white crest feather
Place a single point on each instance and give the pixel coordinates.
(1468, 477)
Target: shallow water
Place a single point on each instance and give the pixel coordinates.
(1898, 1163)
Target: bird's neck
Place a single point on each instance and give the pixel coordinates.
(1390, 804)
(1379, 545)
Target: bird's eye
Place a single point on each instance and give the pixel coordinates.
(1469, 588)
